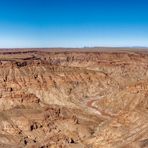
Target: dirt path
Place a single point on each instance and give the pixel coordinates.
(90, 105)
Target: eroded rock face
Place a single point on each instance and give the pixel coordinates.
(73, 99)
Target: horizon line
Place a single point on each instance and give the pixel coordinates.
(74, 47)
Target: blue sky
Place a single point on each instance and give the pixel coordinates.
(73, 23)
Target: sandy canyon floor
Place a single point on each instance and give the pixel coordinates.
(73, 98)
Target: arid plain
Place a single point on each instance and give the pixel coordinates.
(74, 98)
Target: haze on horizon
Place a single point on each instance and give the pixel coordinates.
(73, 23)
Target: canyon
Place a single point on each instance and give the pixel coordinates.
(73, 98)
